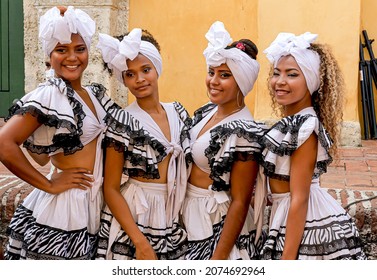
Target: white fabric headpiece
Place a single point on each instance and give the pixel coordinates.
(244, 69)
(54, 28)
(116, 53)
(297, 46)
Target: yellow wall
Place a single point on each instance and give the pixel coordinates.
(180, 26)
(337, 24)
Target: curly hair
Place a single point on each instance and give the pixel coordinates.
(145, 36)
(328, 99)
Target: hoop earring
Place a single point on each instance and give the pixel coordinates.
(208, 95)
(239, 106)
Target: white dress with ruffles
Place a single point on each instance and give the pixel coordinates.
(154, 206)
(64, 226)
(330, 232)
(204, 210)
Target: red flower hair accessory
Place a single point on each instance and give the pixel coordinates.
(241, 46)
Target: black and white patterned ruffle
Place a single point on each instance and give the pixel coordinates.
(237, 140)
(283, 139)
(142, 152)
(334, 237)
(27, 237)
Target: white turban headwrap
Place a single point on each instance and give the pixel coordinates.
(116, 53)
(54, 28)
(297, 46)
(244, 69)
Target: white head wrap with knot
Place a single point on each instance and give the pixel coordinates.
(54, 28)
(116, 53)
(244, 69)
(297, 46)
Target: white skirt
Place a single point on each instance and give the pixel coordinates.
(63, 226)
(329, 231)
(203, 215)
(147, 202)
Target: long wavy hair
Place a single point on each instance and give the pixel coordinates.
(327, 101)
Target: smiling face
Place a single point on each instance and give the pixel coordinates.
(221, 85)
(289, 86)
(141, 77)
(70, 60)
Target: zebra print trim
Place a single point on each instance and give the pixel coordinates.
(185, 134)
(172, 245)
(334, 237)
(31, 240)
(203, 249)
(100, 93)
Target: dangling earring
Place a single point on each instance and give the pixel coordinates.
(239, 106)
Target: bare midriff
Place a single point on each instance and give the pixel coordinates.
(199, 178)
(278, 186)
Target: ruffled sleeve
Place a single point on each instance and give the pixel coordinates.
(203, 111)
(236, 140)
(141, 151)
(59, 113)
(100, 93)
(185, 134)
(287, 136)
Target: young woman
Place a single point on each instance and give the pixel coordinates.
(141, 217)
(63, 119)
(307, 86)
(225, 148)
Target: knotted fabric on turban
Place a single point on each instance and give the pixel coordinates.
(244, 69)
(54, 28)
(116, 53)
(297, 46)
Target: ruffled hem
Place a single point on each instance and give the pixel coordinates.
(244, 248)
(171, 245)
(329, 231)
(31, 240)
(343, 245)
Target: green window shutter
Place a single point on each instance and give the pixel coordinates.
(11, 53)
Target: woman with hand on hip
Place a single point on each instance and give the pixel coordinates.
(61, 217)
(225, 147)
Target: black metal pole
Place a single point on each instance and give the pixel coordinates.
(371, 71)
(363, 90)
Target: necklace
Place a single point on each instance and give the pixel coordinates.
(215, 118)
